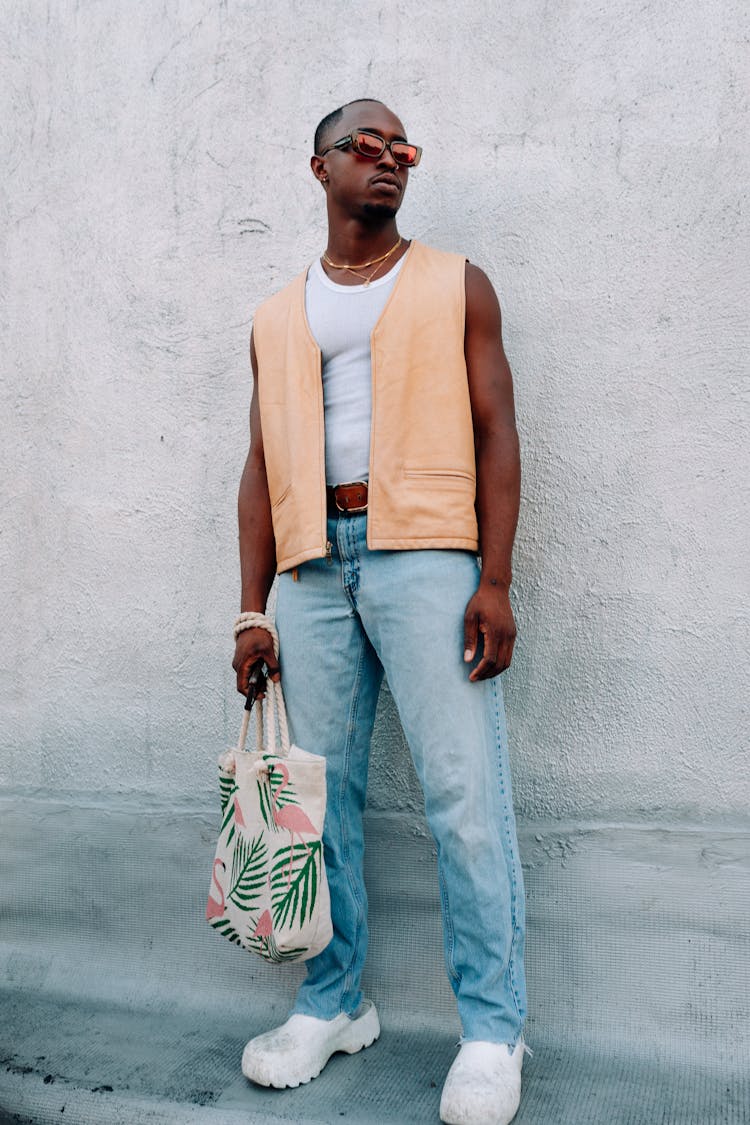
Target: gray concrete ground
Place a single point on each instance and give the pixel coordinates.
(121, 1005)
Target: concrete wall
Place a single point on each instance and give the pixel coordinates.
(588, 156)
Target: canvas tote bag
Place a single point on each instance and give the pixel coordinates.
(269, 891)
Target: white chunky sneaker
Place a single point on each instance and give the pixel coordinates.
(483, 1086)
(297, 1051)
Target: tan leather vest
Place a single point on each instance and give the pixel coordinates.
(422, 466)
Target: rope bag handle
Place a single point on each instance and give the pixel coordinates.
(275, 708)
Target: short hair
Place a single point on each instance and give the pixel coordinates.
(331, 118)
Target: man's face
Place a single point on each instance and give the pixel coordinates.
(359, 184)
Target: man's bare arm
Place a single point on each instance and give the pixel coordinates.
(489, 612)
(257, 548)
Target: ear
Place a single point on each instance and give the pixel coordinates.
(318, 165)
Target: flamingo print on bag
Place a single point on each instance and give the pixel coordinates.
(290, 816)
(216, 909)
(264, 929)
(239, 819)
(263, 933)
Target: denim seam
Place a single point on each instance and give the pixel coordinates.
(351, 724)
(355, 563)
(349, 562)
(450, 933)
(511, 862)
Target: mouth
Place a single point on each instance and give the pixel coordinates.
(387, 182)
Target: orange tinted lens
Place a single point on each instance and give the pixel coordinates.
(403, 153)
(367, 144)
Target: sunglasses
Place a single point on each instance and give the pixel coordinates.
(373, 146)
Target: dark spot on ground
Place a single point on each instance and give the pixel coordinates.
(202, 1097)
(14, 1069)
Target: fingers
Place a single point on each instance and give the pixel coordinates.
(487, 666)
(243, 677)
(254, 645)
(497, 653)
(258, 679)
(471, 622)
(505, 654)
(489, 625)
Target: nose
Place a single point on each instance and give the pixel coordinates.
(386, 159)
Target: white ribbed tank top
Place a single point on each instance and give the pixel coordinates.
(341, 318)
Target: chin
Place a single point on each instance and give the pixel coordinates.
(380, 210)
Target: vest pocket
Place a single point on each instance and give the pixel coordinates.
(441, 476)
(281, 497)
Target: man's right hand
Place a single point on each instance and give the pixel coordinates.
(253, 645)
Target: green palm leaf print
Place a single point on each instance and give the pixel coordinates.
(277, 955)
(282, 796)
(227, 786)
(248, 870)
(269, 795)
(283, 793)
(264, 800)
(293, 893)
(269, 950)
(225, 927)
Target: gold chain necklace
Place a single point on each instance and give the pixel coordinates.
(376, 262)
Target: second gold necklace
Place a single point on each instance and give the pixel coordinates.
(376, 262)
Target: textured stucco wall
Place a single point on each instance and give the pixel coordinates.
(588, 156)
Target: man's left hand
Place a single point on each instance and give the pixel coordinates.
(489, 616)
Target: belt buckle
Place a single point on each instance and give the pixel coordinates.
(349, 484)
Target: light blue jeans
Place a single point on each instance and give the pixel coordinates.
(340, 626)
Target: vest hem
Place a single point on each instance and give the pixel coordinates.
(301, 556)
(417, 542)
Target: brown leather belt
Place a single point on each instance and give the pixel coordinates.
(347, 499)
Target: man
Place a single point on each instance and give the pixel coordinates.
(383, 459)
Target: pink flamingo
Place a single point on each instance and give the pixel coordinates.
(238, 817)
(290, 817)
(216, 909)
(264, 929)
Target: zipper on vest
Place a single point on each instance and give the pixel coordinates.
(329, 549)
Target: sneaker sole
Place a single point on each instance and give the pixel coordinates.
(361, 1033)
